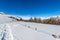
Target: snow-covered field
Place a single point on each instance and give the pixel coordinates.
(14, 30)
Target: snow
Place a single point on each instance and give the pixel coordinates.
(49, 28)
(24, 33)
(6, 32)
(13, 30)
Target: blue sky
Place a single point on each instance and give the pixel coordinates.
(41, 8)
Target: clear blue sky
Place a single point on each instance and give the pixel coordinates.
(31, 7)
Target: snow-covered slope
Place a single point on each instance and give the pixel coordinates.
(14, 30)
(5, 18)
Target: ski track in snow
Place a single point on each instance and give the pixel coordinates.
(6, 33)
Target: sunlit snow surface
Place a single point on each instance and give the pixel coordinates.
(13, 30)
(57, 39)
(5, 32)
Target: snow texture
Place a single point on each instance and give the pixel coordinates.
(13, 30)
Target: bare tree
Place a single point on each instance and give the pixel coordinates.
(35, 19)
(31, 19)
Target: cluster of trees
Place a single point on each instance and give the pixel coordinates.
(38, 20)
(51, 20)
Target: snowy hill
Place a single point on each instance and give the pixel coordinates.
(10, 29)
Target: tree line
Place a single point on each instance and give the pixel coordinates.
(50, 20)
